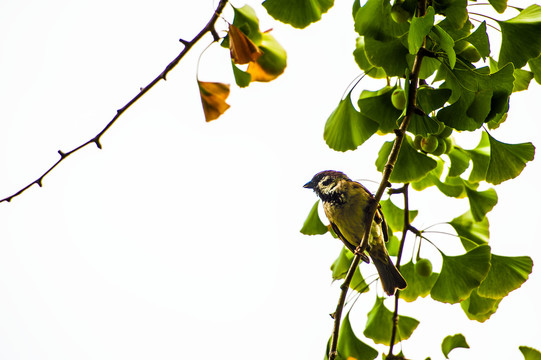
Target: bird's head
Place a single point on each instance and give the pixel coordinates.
(327, 184)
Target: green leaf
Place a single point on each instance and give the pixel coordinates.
(430, 99)
(341, 265)
(312, 224)
(446, 42)
(522, 79)
(452, 187)
(507, 160)
(349, 345)
(481, 202)
(380, 323)
(340, 268)
(246, 20)
(377, 106)
(452, 342)
(419, 28)
(498, 5)
(417, 285)
(506, 274)
(471, 232)
(460, 275)
(477, 97)
(346, 128)
(479, 308)
(455, 11)
(373, 20)
(360, 58)
(530, 353)
(479, 39)
(535, 67)
(297, 13)
(242, 78)
(520, 37)
(480, 158)
(390, 55)
(271, 63)
(460, 161)
(411, 165)
(394, 216)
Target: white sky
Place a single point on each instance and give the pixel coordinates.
(180, 239)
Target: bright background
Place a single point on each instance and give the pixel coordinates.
(180, 239)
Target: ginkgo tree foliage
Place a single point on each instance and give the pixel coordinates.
(463, 86)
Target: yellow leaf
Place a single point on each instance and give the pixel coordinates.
(243, 50)
(260, 74)
(213, 96)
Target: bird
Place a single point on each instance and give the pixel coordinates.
(345, 203)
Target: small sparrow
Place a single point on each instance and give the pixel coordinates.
(345, 203)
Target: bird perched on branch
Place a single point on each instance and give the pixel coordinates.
(345, 203)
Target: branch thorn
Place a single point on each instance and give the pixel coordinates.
(184, 42)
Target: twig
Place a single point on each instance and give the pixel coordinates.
(96, 139)
(407, 227)
(388, 169)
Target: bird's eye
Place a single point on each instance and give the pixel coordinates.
(326, 182)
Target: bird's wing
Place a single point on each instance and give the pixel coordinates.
(380, 219)
(349, 245)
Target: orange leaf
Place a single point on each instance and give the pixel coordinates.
(260, 74)
(213, 96)
(243, 50)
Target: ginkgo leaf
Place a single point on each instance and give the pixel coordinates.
(373, 20)
(507, 160)
(420, 27)
(452, 342)
(446, 42)
(506, 274)
(378, 107)
(213, 96)
(481, 202)
(535, 67)
(360, 58)
(349, 346)
(340, 268)
(460, 275)
(313, 225)
(480, 157)
(417, 285)
(411, 165)
(242, 49)
(479, 39)
(460, 161)
(346, 128)
(530, 353)
(498, 5)
(380, 323)
(341, 265)
(479, 308)
(271, 63)
(394, 216)
(471, 232)
(242, 78)
(520, 37)
(299, 13)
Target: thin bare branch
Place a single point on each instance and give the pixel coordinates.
(209, 28)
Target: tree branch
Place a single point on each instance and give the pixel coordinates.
(411, 107)
(162, 76)
(405, 230)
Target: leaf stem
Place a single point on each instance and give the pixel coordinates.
(209, 27)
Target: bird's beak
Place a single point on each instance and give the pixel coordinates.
(308, 185)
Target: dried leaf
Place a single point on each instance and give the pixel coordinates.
(243, 50)
(213, 96)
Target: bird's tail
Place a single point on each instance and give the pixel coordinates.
(391, 279)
